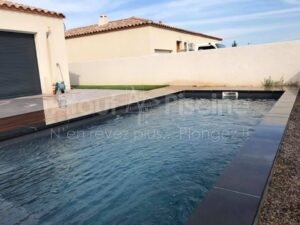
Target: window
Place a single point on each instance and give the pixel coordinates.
(178, 46)
(191, 47)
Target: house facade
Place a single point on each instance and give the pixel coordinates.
(129, 37)
(32, 50)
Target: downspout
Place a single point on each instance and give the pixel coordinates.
(49, 51)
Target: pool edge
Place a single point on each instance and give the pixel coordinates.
(231, 201)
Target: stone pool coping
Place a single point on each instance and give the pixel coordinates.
(280, 204)
(237, 194)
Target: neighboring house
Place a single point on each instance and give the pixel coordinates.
(129, 37)
(32, 50)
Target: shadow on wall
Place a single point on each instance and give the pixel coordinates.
(294, 79)
(74, 78)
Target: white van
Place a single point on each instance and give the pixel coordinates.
(207, 46)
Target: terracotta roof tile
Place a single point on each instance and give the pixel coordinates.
(126, 24)
(7, 5)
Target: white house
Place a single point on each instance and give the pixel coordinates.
(32, 50)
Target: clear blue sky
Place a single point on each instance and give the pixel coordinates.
(246, 21)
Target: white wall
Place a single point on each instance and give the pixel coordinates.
(242, 66)
(49, 50)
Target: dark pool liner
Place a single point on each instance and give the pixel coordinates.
(236, 196)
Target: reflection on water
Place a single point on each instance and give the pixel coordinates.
(150, 167)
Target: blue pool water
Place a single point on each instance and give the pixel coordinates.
(151, 167)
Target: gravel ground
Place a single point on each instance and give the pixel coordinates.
(281, 205)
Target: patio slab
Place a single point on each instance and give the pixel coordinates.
(18, 106)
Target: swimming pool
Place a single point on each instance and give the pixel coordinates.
(150, 167)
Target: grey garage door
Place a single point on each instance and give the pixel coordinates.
(19, 74)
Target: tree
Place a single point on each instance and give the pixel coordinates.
(234, 44)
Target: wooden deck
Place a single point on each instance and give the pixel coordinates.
(21, 124)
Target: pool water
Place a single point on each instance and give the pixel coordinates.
(151, 167)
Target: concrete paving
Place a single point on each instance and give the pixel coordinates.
(18, 106)
(79, 103)
(83, 106)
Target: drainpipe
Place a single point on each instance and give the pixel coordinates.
(48, 33)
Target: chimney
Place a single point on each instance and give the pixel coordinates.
(102, 20)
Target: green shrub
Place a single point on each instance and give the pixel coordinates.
(268, 82)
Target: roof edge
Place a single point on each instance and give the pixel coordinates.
(163, 26)
(10, 6)
(103, 31)
(153, 24)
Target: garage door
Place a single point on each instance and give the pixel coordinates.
(19, 74)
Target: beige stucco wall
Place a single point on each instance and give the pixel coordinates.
(123, 43)
(49, 50)
(139, 41)
(242, 66)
